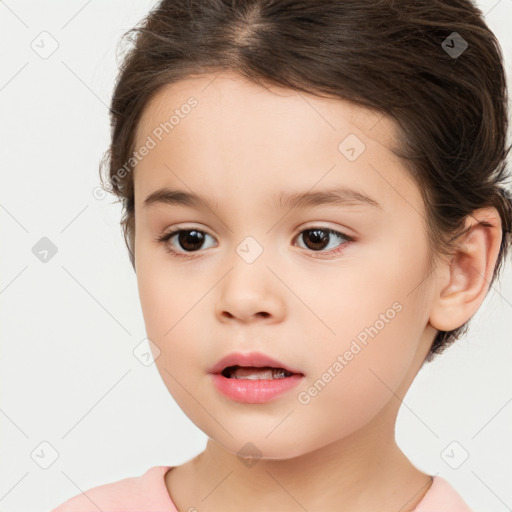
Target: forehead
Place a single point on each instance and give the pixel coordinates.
(242, 142)
(226, 92)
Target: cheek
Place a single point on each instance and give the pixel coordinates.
(377, 289)
(358, 379)
(165, 294)
(172, 306)
(377, 314)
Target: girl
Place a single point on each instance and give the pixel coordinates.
(340, 166)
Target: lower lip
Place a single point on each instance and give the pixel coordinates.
(255, 391)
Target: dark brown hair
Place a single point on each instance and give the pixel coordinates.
(396, 57)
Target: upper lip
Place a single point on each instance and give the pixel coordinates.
(256, 359)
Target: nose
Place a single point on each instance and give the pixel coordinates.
(249, 292)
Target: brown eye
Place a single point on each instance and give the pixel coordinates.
(315, 239)
(318, 239)
(189, 241)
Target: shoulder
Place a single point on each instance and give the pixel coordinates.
(442, 497)
(145, 492)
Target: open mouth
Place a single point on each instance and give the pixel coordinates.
(255, 373)
(253, 378)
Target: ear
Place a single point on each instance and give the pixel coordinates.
(464, 277)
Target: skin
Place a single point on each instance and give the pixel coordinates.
(242, 144)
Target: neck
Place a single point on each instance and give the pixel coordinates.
(364, 471)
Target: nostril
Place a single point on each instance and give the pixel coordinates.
(263, 314)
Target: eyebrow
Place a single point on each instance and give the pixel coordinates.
(340, 196)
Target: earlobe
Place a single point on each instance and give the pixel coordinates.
(463, 279)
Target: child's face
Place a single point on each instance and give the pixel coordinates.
(243, 146)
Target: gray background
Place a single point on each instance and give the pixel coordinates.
(74, 397)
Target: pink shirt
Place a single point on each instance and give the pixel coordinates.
(148, 493)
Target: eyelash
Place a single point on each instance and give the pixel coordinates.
(165, 239)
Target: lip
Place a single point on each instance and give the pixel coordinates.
(256, 359)
(254, 391)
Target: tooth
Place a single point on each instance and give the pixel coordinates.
(258, 374)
